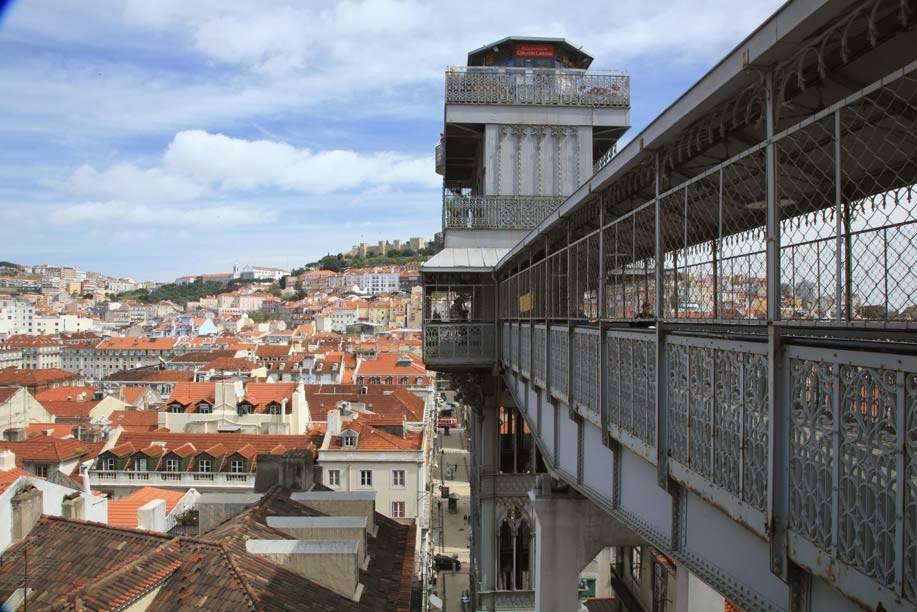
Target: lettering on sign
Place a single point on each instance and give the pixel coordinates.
(534, 50)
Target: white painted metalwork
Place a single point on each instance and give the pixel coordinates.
(496, 211)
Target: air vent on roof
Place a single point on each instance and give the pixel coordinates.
(404, 362)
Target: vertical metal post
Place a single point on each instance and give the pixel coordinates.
(662, 438)
(717, 245)
(603, 410)
(838, 219)
(778, 411)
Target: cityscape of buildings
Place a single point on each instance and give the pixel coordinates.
(673, 376)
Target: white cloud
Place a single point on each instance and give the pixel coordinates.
(129, 183)
(234, 163)
(126, 213)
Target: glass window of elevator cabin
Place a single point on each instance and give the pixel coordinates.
(530, 54)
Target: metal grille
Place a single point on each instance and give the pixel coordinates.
(910, 508)
(559, 355)
(585, 279)
(466, 341)
(585, 372)
(718, 414)
(630, 265)
(504, 343)
(514, 345)
(538, 354)
(631, 367)
(525, 347)
(493, 85)
(849, 440)
(811, 451)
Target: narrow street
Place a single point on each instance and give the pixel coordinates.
(455, 539)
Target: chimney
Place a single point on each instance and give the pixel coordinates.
(342, 503)
(331, 563)
(152, 516)
(84, 472)
(72, 507)
(334, 423)
(7, 460)
(324, 528)
(25, 508)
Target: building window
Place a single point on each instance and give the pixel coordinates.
(334, 478)
(404, 380)
(41, 470)
(109, 464)
(418, 380)
(636, 563)
(398, 478)
(273, 409)
(366, 478)
(176, 408)
(204, 465)
(397, 509)
(140, 464)
(245, 409)
(171, 465)
(236, 466)
(349, 439)
(204, 408)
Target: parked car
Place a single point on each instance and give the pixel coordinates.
(445, 562)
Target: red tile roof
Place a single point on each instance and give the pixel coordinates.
(66, 393)
(373, 439)
(135, 420)
(64, 409)
(137, 344)
(123, 512)
(6, 393)
(34, 377)
(152, 374)
(231, 364)
(54, 430)
(262, 394)
(45, 449)
(8, 477)
(26, 341)
(187, 393)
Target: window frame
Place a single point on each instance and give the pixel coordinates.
(366, 478)
(334, 478)
(403, 509)
(171, 464)
(395, 479)
(240, 463)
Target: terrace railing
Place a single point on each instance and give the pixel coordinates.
(461, 343)
(496, 211)
(541, 86)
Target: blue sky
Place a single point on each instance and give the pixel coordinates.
(156, 138)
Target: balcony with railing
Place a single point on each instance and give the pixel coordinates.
(440, 157)
(537, 86)
(459, 327)
(496, 212)
(197, 480)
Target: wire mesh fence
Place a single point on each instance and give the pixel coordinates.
(845, 205)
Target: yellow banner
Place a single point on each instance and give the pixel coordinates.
(525, 302)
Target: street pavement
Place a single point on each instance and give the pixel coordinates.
(457, 536)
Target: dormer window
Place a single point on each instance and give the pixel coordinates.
(273, 409)
(245, 409)
(176, 408)
(204, 408)
(349, 439)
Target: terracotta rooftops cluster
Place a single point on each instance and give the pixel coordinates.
(88, 566)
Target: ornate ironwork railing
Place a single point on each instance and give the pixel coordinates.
(497, 211)
(460, 342)
(506, 600)
(548, 86)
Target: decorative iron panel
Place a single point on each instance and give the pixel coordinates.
(514, 345)
(868, 474)
(458, 341)
(514, 86)
(755, 430)
(631, 378)
(504, 343)
(811, 450)
(525, 343)
(538, 365)
(717, 413)
(585, 379)
(559, 354)
(910, 493)
(496, 211)
(677, 402)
